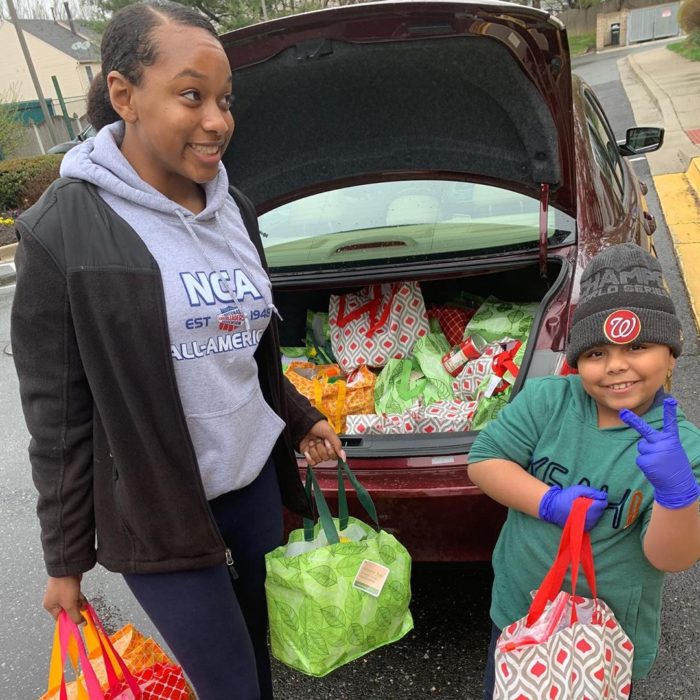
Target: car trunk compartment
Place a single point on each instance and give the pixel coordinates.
(515, 282)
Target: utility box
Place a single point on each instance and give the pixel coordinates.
(615, 34)
(30, 111)
(656, 22)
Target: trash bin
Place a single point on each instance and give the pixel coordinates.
(615, 34)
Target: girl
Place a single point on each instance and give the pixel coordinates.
(146, 344)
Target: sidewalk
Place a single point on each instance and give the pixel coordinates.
(664, 90)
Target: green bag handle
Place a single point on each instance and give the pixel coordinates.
(363, 496)
(324, 513)
(404, 387)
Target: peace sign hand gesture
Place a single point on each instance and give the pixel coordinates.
(663, 459)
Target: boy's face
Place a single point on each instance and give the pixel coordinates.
(624, 376)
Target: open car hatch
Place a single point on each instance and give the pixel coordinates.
(459, 90)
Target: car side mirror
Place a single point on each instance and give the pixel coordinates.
(642, 139)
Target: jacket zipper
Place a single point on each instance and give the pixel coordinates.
(229, 563)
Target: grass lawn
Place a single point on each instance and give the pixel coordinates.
(581, 43)
(690, 49)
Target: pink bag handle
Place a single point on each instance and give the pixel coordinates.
(103, 638)
(67, 630)
(574, 549)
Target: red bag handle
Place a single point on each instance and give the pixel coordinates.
(370, 307)
(378, 323)
(506, 361)
(574, 549)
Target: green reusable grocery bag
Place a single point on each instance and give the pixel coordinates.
(318, 338)
(427, 354)
(326, 599)
(399, 386)
(497, 319)
(420, 381)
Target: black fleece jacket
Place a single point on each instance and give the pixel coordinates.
(111, 454)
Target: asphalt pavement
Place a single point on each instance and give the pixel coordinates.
(444, 656)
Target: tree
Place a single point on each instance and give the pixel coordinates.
(218, 11)
(231, 14)
(11, 129)
(689, 19)
(39, 9)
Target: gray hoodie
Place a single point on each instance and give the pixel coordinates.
(218, 300)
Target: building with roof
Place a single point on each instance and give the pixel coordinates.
(57, 49)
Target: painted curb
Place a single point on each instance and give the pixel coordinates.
(679, 196)
(7, 252)
(8, 274)
(693, 176)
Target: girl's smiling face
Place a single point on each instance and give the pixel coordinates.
(624, 376)
(178, 118)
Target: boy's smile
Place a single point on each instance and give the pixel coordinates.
(624, 376)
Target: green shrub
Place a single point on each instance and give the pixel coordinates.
(689, 17)
(23, 180)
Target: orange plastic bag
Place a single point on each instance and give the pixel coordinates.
(333, 394)
(121, 667)
(138, 652)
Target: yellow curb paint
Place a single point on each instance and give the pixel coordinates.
(693, 175)
(686, 233)
(677, 199)
(689, 259)
(679, 196)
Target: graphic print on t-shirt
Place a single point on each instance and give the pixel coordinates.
(230, 314)
(626, 506)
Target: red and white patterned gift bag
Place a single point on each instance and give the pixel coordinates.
(440, 417)
(452, 321)
(376, 324)
(567, 647)
(466, 384)
(379, 424)
(444, 416)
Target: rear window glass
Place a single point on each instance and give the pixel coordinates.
(411, 220)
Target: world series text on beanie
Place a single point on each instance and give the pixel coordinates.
(623, 299)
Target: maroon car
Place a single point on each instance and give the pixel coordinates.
(443, 142)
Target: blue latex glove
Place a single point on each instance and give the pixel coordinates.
(663, 459)
(556, 504)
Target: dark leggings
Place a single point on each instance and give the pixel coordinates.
(216, 630)
(490, 672)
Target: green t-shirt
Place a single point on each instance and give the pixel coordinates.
(551, 429)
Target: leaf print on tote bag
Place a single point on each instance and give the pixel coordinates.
(319, 620)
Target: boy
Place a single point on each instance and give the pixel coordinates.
(579, 435)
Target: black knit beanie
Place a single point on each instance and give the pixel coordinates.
(623, 299)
